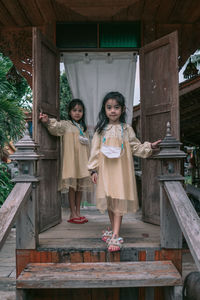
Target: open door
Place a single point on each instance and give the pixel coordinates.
(159, 104)
(45, 99)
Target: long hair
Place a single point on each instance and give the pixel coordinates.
(102, 118)
(71, 105)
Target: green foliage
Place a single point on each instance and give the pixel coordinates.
(14, 87)
(65, 96)
(11, 120)
(5, 183)
(15, 94)
(192, 67)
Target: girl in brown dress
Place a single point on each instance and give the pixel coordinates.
(75, 177)
(111, 165)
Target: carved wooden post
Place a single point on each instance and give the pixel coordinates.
(26, 225)
(170, 232)
(170, 156)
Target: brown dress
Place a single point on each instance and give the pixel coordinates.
(74, 172)
(116, 185)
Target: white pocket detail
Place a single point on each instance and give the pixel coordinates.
(83, 140)
(111, 152)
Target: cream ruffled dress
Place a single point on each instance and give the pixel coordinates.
(116, 185)
(74, 172)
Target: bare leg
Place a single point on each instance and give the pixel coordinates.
(78, 196)
(111, 217)
(72, 203)
(117, 225)
(117, 220)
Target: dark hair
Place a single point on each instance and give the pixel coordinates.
(103, 119)
(71, 105)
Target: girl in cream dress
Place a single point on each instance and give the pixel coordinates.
(75, 177)
(111, 165)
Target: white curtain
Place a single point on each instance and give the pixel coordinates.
(92, 75)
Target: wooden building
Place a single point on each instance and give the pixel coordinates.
(165, 34)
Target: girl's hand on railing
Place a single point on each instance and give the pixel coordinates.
(155, 145)
(43, 118)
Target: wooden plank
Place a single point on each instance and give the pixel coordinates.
(142, 291)
(174, 255)
(187, 217)
(16, 12)
(26, 225)
(170, 231)
(159, 104)
(164, 11)
(46, 10)
(11, 208)
(45, 95)
(102, 3)
(131, 13)
(189, 87)
(22, 260)
(32, 12)
(5, 17)
(150, 9)
(185, 10)
(99, 275)
(106, 294)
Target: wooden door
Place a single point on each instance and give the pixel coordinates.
(45, 99)
(159, 104)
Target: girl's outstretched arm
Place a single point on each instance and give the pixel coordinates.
(155, 145)
(57, 128)
(44, 118)
(138, 149)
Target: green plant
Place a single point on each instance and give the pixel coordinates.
(13, 85)
(11, 121)
(15, 96)
(5, 183)
(65, 96)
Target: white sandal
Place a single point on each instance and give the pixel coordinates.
(114, 242)
(120, 239)
(106, 235)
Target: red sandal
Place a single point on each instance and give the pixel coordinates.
(76, 221)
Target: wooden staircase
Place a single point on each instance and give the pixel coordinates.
(97, 275)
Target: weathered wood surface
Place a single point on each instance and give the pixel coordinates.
(26, 225)
(136, 233)
(187, 217)
(95, 275)
(21, 13)
(170, 231)
(12, 207)
(159, 104)
(46, 100)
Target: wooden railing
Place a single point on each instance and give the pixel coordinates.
(19, 209)
(179, 216)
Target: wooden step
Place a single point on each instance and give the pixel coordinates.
(98, 275)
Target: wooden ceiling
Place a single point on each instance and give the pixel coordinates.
(158, 17)
(189, 95)
(39, 12)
